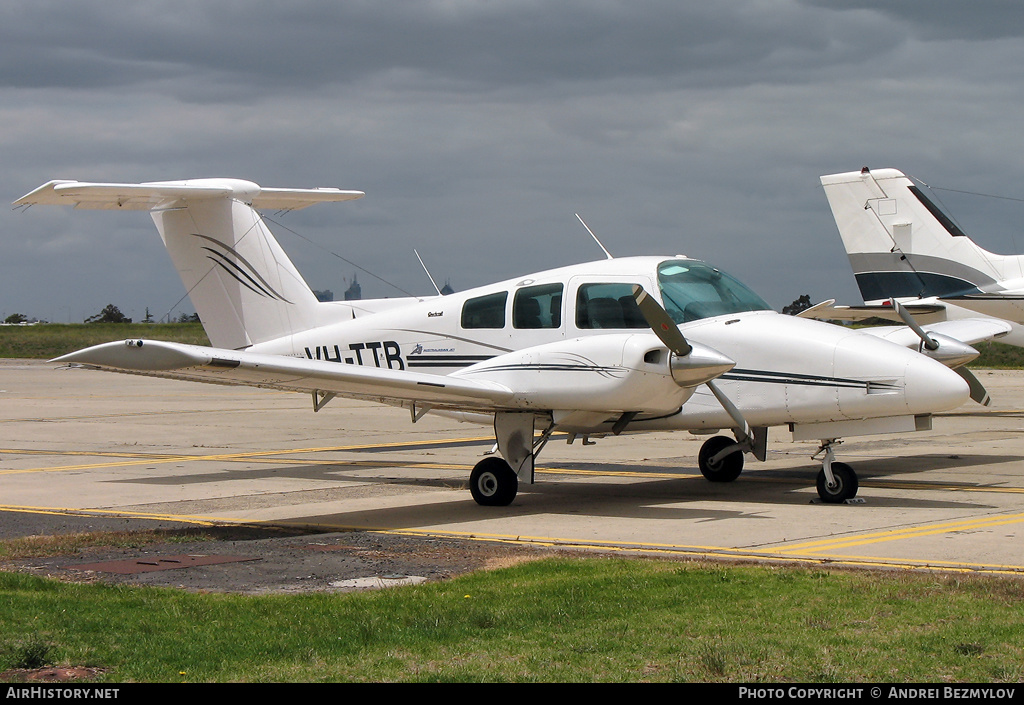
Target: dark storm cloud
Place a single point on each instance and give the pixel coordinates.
(478, 128)
(469, 45)
(942, 19)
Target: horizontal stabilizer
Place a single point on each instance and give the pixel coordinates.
(152, 358)
(166, 194)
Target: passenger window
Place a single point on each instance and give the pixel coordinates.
(538, 307)
(485, 311)
(607, 306)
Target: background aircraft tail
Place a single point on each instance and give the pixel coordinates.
(901, 245)
(244, 287)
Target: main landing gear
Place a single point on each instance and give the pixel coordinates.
(493, 483)
(720, 459)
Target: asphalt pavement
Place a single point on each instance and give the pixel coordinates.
(91, 451)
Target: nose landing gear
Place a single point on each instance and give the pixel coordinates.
(837, 482)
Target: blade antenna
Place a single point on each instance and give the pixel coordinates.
(606, 252)
(428, 272)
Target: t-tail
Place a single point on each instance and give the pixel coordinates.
(901, 245)
(244, 287)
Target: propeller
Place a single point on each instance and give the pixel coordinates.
(661, 323)
(949, 351)
(690, 365)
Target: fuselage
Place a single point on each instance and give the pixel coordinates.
(540, 331)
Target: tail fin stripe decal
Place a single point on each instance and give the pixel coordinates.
(250, 274)
(220, 260)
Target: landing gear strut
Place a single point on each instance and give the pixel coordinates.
(494, 481)
(837, 482)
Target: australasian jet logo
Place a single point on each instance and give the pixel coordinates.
(239, 269)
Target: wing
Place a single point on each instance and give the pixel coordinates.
(153, 358)
(1008, 305)
(828, 311)
(966, 330)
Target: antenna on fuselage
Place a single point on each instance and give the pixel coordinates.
(428, 273)
(606, 252)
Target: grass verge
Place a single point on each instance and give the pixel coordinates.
(50, 340)
(564, 620)
(46, 341)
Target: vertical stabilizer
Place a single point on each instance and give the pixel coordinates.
(244, 287)
(900, 244)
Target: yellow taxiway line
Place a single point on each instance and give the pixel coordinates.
(785, 555)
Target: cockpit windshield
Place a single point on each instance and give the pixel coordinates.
(693, 290)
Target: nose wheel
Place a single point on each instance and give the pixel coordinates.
(837, 482)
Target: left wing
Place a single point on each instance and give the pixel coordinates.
(153, 358)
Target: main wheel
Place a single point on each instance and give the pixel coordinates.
(492, 483)
(845, 487)
(725, 470)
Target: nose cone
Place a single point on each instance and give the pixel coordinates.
(932, 387)
(899, 380)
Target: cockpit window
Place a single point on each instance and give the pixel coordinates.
(693, 290)
(607, 305)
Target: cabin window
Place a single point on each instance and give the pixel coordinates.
(607, 305)
(538, 307)
(485, 311)
(692, 290)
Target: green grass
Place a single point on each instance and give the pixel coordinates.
(46, 341)
(49, 340)
(565, 620)
(999, 356)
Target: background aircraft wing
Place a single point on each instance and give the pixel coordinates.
(1008, 305)
(153, 358)
(966, 330)
(828, 311)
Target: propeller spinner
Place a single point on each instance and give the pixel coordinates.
(949, 351)
(690, 365)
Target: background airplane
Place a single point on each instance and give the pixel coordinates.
(902, 246)
(607, 347)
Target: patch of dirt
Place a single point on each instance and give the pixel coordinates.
(49, 674)
(270, 560)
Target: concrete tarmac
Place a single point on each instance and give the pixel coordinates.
(104, 449)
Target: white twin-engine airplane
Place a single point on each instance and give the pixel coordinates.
(618, 345)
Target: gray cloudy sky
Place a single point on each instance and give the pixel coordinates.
(478, 128)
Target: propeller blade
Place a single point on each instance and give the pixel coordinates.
(661, 323)
(978, 391)
(929, 342)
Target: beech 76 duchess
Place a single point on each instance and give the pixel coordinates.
(617, 345)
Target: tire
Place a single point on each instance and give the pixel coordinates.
(725, 470)
(492, 483)
(846, 484)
